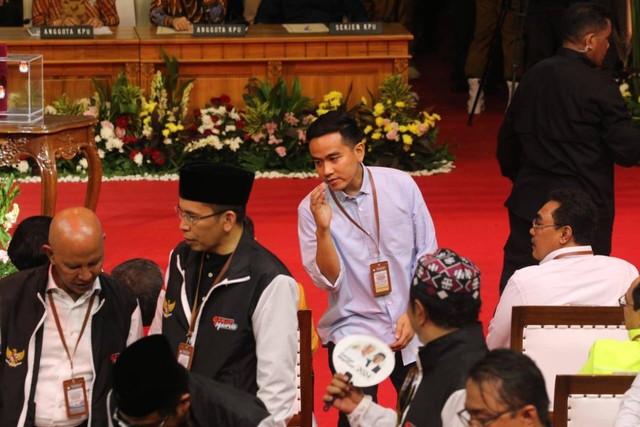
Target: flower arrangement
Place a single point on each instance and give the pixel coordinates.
(9, 212)
(276, 121)
(396, 133)
(218, 134)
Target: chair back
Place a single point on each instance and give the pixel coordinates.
(588, 400)
(304, 372)
(558, 338)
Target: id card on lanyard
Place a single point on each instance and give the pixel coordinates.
(186, 350)
(379, 271)
(74, 389)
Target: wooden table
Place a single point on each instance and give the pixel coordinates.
(70, 66)
(321, 62)
(44, 141)
(220, 65)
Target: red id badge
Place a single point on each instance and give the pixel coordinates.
(185, 355)
(380, 278)
(75, 397)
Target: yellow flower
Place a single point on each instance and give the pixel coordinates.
(406, 147)
(378, 109)
(368, 129)
(407, 139)
(180, 127)
(379, 121)
(334, 94)
(413, 128)
(321, 111)
(402, 128)
(363, 101)
(335, 102)
(400, 104)
(147, 120)
(165, 132)
(376, 135)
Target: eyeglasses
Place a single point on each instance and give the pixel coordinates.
(192, 219)
(119, 422)
(467, 418)
(536, 226)
(622, 300)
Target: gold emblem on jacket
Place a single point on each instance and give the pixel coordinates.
(14, 357)
(167, 308)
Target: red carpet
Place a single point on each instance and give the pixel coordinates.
(466, 206)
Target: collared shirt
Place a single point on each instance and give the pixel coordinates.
(46, 11)
(54, 363)
(563, 277)
(406, 233)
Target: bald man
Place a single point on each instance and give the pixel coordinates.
(62, 326)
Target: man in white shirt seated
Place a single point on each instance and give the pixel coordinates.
(569, 273)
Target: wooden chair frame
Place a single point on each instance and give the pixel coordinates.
(304, 417)
(560, 315)
(585, 384)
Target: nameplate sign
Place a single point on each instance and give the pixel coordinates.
(338, 28)
(66, 32)
(219, 30)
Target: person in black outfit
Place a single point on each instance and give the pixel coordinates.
(307, 11)
(565, 128)
(25, 250)
(151, 388)
(11, 13)
(444, 304)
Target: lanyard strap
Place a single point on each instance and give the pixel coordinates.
(84, 325)
(375, 209)
(195, 310)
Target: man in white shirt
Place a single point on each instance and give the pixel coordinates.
(569, 273)
(629, 412)
(63, 326)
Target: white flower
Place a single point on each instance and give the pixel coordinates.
(101, 153)
(137, 159)
(11, 217)
(624, 87)
(98, 138)
(167, 141)
(106, 129)
(23, 166)
(50, 110)
(229, 128)
(234, 144)
(4, 257)
(83, 162)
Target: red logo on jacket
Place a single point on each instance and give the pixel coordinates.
(224, 323)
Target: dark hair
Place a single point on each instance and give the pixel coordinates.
(248, 225)
(336, 121)
(517, 379)
(239, 210)
(635, 294)
(576, 210)
(25, 249)
(144, 278)
(455, 311)
(581, 19)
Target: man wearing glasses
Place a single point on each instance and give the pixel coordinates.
(569, 273)
(230, 306)
(505, 389)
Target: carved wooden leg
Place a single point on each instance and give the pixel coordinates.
(49, 175)
(95, 177)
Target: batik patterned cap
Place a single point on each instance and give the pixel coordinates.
(446, 273)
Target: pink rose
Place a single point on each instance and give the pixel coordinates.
(281, 151)
(120, 133)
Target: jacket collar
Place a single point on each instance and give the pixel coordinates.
(458, 342)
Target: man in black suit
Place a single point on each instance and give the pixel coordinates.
(565, 128)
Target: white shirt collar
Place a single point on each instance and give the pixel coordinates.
(567, 250)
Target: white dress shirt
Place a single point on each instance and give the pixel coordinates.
(563, 277)
(54, 363)
(629, 412)
(406, 233)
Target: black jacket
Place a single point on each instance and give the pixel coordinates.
(565, 128)
(445, 363)
(308, 11)
(22, 313)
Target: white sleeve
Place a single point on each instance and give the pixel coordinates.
(499, 334)
(135, 330)
(629, 412)
(368, 413)
(275, 328)
(156, 324)
(453, 405)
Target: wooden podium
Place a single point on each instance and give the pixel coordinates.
(46, 140)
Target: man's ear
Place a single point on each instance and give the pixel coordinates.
(567, 235)
(419, 311)
(184, 406)
(230, 219)
(48, 251)
(529, 415)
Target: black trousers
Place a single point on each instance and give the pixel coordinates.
(397, 377)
